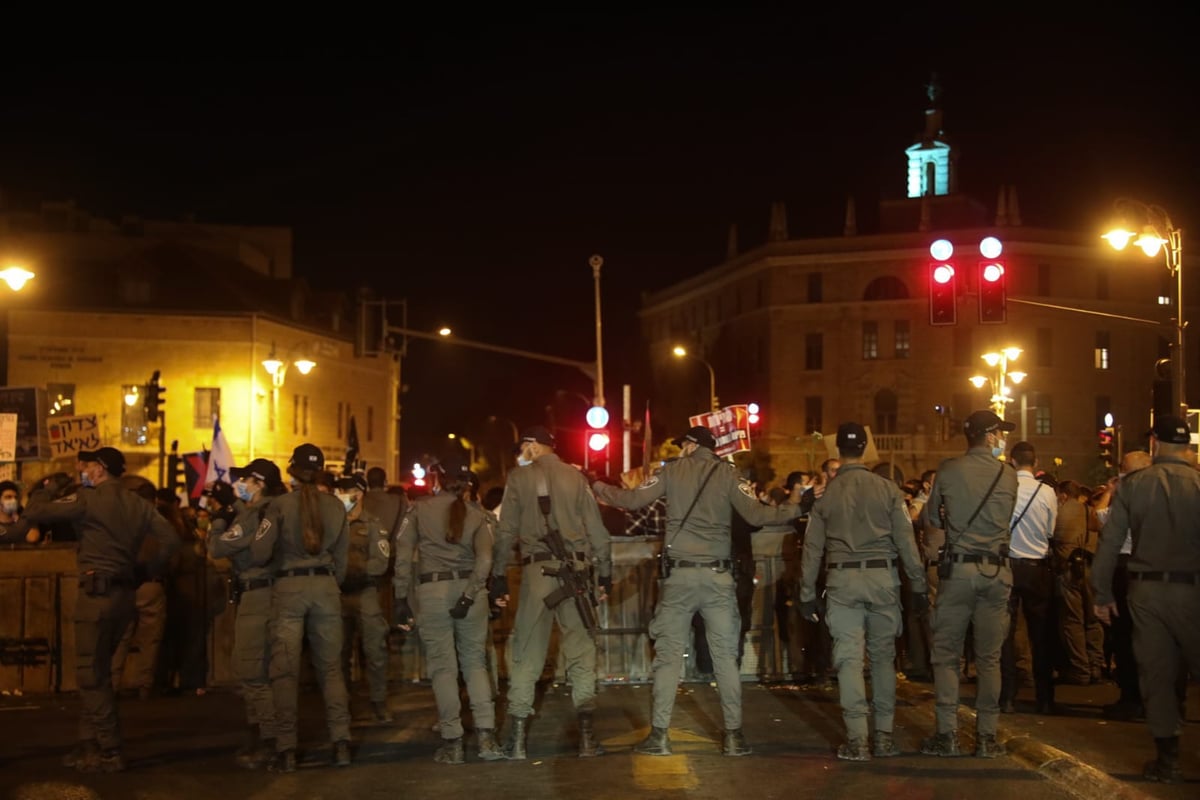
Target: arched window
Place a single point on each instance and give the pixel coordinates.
(885, 412)
(889, 287)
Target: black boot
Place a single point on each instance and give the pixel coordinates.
(379, 709)
(1165, 768)
(657, 743)
(285, 761)
(514, 750)
(489, 748)
(735, 744)
(589, 747)
(451, 752)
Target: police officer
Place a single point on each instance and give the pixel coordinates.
(451, 539)
(234, 527)
(368, 555)
(971, 506)
(386, 507)
(701, 491)
(304, 539)
(1160, 507)
(111, 522)
(573, 513)
(862, 527)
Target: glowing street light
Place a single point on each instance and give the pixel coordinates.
(16, 277)
(681, 352)
(1001, 390)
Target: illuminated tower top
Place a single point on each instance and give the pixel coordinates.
(930, 162)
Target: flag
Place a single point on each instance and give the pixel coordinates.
(195, 468)
(351, 448)
(647, 442)
(220, 459)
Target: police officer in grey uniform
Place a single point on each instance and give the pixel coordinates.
(386, 507)
(111, 522)
(233, 530)
(702, 491)
(368, 555)
(971, 504)
(304, 539)
(1160, 506)
(451, 538)
(574, 513)
(862, 526)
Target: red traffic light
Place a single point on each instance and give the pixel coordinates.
(597, 440)
(943, 294)
(993, 292)
(943, 273)
(992, 272)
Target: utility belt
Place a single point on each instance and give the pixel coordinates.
(1167, 577)
(946, 561)
(1034, 562)
(303, 571)
(448, 575)
(874, 563)
(238, 587)
(97, 584)
(548, 556)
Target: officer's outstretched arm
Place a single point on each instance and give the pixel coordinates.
(650, 490)
(741, 497)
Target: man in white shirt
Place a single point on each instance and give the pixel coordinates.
(1033, 582)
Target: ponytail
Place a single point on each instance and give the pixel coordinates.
(310, 517)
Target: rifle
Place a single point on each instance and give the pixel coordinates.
(573, 582)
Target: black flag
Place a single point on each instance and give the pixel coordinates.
(351, 448)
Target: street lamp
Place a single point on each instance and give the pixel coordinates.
(16, 277)
(681, 352)
(1001, 391)
(277, 368)
(1154, 231)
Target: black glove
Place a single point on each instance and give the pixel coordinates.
(920, 602)
(812, 610)
(402, 613)
(223, 493)
(605, 585)
(462, 607)
(498, 589)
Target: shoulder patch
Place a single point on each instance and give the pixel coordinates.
(263, 527)
(233, 534)
(747, 488)
(385, 549)
(651, 481)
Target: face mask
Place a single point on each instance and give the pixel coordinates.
(347, 500)
(243, 492)
(999, 449)
(522, 461)
(85, 479)
(9, 506)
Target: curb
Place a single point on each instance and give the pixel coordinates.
(1077, 778)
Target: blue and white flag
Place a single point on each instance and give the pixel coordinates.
(220, 458)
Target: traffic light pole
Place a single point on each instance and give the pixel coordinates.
(162, 449)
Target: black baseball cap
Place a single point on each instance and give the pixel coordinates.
(536, 434)
(307, 456)
(698, 434)
(112, 459)
(851, 436)
(986, 421)
(348, 483)
(1171, 429)
(260, 468)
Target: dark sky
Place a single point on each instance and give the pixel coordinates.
(472, 167)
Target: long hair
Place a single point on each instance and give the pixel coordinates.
(458, 510)
(310, 510)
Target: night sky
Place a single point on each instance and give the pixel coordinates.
(473, 168)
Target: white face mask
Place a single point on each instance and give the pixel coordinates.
(522, 461)
(347, 500)
(9, 506)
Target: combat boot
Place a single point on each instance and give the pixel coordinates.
(341, 753)
(854, 750)
(589, 746)
(380, 710)
(451, 752)
(941, 744)
(80, 753)
(1165, 768)
(489, 748)
(285, 761)
(986, 746)
(885, 745)
(657, 743)
(735, 744)
(514, 750)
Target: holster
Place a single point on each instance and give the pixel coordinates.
(944, 565)
(664, 565)
(235, 591)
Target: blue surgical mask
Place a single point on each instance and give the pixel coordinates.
(999, 451)
(243, 492)
(347, 500)
(522, 461)
(85, 479)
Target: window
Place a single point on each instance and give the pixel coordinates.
(886, 405)
(1102, 284)
(1044, 357)
(304, 416)
(961, 405)
(296, 414)
(813, 351)
(964, 353)
(133, 416)
(1102, 346)
(370, 423)
(1041, 415)
(760, 355)
(903, 338)
(61, 399)
(206, 404)
(870, 340)
(1043, 280)
(815, 287)
(812, 415)
(889, 287)
(339, 422)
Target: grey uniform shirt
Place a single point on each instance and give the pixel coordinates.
(111, 522)
(1160, 506)
(424, 531)
(386, 507)
(958, 490)
(279, 540)
(861, 517)
(369, 550)
(705, 535)
(573, 512)
(233, 541)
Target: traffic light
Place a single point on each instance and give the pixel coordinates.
(943, 287)
(596, 437)
(176, 474)
(993, 283)
(1107, 442)
(754, 413)
(152, 398)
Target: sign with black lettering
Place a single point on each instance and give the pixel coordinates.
(69, 435)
